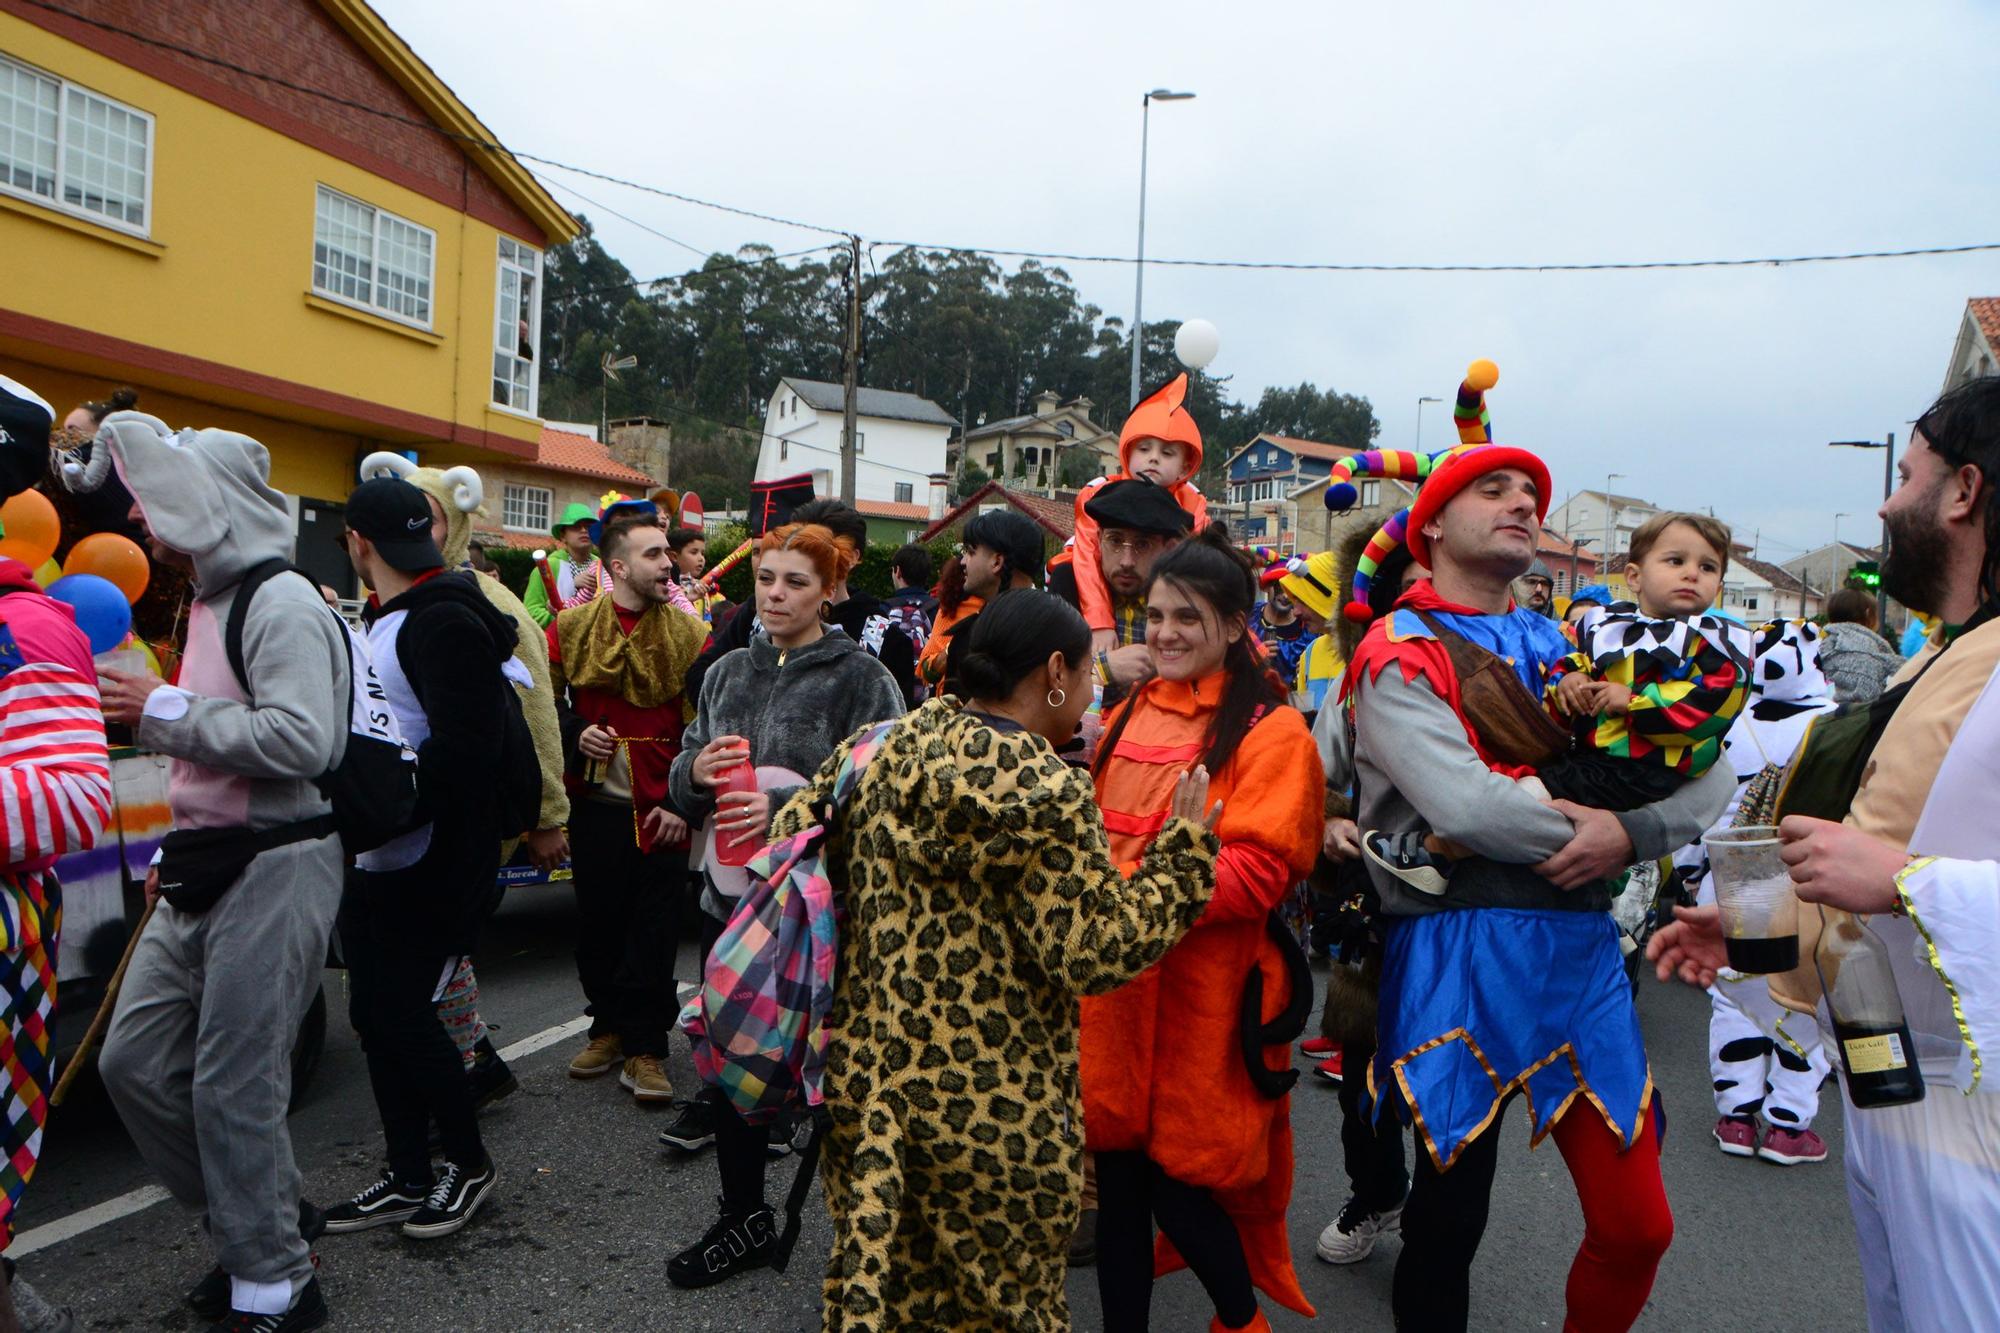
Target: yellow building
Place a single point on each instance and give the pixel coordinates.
(272, 218)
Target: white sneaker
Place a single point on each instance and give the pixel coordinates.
(1351, 1237)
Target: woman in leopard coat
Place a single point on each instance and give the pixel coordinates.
(980, 901)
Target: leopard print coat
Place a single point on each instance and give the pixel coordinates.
(980, 901)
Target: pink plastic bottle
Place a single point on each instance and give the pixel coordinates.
(741, 777)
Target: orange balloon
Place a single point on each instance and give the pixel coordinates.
(32, 528)
(113, 558)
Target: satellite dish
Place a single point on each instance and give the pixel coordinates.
(612, 365)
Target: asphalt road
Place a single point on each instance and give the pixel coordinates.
(589, 1206)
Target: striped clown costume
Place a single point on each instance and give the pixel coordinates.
(55, 798)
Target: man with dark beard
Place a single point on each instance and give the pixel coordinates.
(1919, 853)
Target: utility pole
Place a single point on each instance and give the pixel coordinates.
(852, 376)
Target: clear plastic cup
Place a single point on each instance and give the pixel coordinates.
(1753, 889)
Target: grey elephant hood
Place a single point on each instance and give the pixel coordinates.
(205, 493)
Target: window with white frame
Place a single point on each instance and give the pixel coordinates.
(363, 256)
(906, 492)
(1371, 493)
(68, 147)
(526, 508)
(517, 325)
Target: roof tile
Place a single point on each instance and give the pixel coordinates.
(561, 451)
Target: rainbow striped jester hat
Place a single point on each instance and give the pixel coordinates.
(1475, 427)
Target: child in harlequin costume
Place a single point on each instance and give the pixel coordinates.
(1509, 982)
(1286, 642)
(1310, 581)
(1160, 443)
(1650, 692)
(1189, 1128)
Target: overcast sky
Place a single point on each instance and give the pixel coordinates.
(1344, 132)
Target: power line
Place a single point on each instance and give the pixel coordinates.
(691, 273)
(1290, 266)
(1606, 267)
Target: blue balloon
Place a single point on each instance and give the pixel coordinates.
(102, 612)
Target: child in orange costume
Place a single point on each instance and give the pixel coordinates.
(1161, 444)
(1170, 1108)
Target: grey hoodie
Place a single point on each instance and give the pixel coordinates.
(794, 707)
(237, 763)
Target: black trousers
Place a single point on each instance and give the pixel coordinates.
(627, 914)
(1608, 781)
(1372, 1148)
(395, 967)
(1442, 1225)
(1132, 1193)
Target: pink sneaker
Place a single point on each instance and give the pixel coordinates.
(1789, 1147)
(1736, 1137)
(1318, 1048)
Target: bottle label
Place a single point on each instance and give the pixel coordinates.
(1875, 1055)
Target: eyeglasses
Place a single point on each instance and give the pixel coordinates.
(1131, 546)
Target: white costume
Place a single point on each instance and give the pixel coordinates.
(1924, 1179)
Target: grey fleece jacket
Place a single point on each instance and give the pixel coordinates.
(794, 707)
(1416, 770)
(237, 762)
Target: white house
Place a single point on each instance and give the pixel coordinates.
(1977, 346)
(899, 442)
(1605, 520)
(1755, 591)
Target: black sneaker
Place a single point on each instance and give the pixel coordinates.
(491, 1078)
(788, 1133)
(693, 1128)
(733, 1245)
(1405, 856)
(1083, 1241)
(454, 1200)
(209, 1297)
(308, 1311)
(381, 1204)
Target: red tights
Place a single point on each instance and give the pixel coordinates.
(1626, 1227)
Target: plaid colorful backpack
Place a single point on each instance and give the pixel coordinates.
(758, 1024)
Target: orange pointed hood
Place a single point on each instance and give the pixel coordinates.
(1162, 416)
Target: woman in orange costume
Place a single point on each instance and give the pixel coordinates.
(1181, 1132)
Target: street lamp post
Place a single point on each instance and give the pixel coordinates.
(1139, 283)
(1420, 420)
(1888, 448)
(1836, 529)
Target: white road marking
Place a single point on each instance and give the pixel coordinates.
(545, 1038)
(138, 1200)
(88, 1219)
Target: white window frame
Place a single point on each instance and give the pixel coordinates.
(502, 266)
(517, 496)
(60, 174)
(1371, 492)
(374, 305)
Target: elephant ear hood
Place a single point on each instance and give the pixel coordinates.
(205, 493)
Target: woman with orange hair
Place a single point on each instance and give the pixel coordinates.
(783, 703)
(1186, 1075)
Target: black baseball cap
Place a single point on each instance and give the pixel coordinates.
(1137, 505)
(396, 517)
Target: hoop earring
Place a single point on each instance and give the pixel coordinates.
(826, 613)
(1057, 698)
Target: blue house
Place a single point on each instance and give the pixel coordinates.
(1265, 478)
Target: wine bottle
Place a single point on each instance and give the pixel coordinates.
(1876, 1053)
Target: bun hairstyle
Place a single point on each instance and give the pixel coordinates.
(1011, 638)
(832, 557)
(121, 399)
(1208, 569)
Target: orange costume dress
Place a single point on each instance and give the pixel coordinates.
(1163, 1068)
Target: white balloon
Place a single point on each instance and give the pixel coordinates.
(1196, 343)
